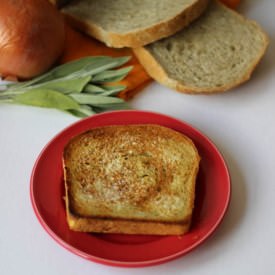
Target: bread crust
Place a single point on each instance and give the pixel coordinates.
(156, 71)
(126, 226)
(143, 36)
(111, 224)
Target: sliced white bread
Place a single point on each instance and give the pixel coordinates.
(215, 53)
(132, 23)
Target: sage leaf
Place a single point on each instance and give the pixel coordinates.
(96, 100)
(113, 90)
(104, 90)
(90, 88)
(114, 87)
(61, 71)
(76, 113)
(73, 67)
(82, 111)
(66, 86)
(46, 98)
(80, 87)
(112, 75)
(118, 106)
(98, 67)
(82, 67)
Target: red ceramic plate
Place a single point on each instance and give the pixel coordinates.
(212, 198)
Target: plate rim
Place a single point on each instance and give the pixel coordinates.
(128, 264)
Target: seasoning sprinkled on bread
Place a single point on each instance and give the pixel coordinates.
(135, 179)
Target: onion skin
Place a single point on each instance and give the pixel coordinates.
(32, 35)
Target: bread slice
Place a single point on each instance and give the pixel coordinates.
(215, 53)
(132, 23)
(135, 179)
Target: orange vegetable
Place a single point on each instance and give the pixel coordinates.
(233, 4)
(79, 45)
(32, 37)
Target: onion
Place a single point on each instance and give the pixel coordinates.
(32, 35)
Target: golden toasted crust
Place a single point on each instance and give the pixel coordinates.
(135, 179)
(139, 37)
(157, 72)
(126, 226)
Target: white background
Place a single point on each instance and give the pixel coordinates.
(241, 124)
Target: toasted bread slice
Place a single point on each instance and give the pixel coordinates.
(131, 23)
(215, 53)
(135, 179)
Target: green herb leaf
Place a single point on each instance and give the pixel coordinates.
(64, 85)
(96, 100)
(112, 75)
(96, 68)
(104, 90)
(104, 108)
(73, 87)
(113, 90)
(60, 71)
(82, 67)
(83, 111)
(90, 88)
(74, 67)
(46, 98)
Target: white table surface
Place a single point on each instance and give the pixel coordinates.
(241, 124)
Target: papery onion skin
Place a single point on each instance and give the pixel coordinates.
(32, 35)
